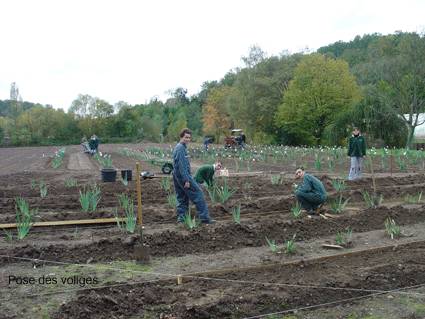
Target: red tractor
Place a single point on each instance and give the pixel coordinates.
(235, 140)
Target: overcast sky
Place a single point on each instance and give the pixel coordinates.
(134, 50)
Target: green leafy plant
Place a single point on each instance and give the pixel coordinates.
(317, 162)
(236, 214)
(23, 217)
(338, 185)
(166, 184)
(129, 223)
(343, 238)
(276, 179)
(413, 199)
(223, 192)
(58, 158)
(43, 189)
(338, 205)
(70, 182)
(90, 198)
(33, 184)
(296, 210)
(8, 235)
(189, 222)
(172, 200)
(392, 229)
(372, 200)
(104, 160)
(290, 246)
(272, 245)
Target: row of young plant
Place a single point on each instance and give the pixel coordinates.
(319, 158)
(58, 158)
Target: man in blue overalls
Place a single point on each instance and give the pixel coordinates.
(185, 186)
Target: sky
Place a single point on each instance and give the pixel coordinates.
(135, 50)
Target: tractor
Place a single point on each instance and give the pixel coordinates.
(234, 140)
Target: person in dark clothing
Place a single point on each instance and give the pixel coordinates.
(356, 151)
(185, 186)
(93, 144)
(205, 173)
(241, 139)
(310, 193)
(207, 140)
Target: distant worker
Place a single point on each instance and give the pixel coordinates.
(185, 186)
(207, 140)
(356, 151)
(241, 139)
(94, 144)
(205, 173)
(311, 193)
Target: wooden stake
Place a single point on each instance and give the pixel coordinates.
(391, 162)
(139, 195)
(179, 279)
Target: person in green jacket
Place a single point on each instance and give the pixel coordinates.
(356, 151)
(310, 193)
(205, 173)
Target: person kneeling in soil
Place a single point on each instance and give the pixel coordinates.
(205, 173)
(310, 193)
(184, 184)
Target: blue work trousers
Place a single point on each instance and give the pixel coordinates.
(193, 193)
(309, 201)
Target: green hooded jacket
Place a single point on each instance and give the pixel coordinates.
(205, 174)
(356, 146)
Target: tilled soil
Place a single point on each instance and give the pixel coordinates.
(245, 293)
(265, 212)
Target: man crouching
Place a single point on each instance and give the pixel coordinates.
(310, 193)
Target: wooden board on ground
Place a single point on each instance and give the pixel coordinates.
(69, 222)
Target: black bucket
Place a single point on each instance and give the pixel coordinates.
(109, 174)
(127, 174)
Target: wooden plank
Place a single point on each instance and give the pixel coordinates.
(68, 222)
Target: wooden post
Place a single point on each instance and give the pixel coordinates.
(391, 162)
(139, 195)
(179, 279)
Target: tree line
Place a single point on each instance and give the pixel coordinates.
(375, 82)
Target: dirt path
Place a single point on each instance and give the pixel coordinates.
(79, 161)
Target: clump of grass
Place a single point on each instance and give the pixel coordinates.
(339, 185)
(43, 189)
(90, 198)
(343, 238)
(129, 223)
(172, 200)
(70, 182)
(166, 184)
(236, 214)
(8, 236)
(23, 217)
(33, 184)
(189, 222)
(296, 210)
(272, 245)
(276, 179)
(392, 229)
(124, 180)
(338, 205)
(290, 247)
(372, 200)
(220, 193)
(413, 199)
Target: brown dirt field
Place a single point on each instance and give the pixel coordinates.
(265, 212)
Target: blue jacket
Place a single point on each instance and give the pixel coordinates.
(181, 163)
(312, 184)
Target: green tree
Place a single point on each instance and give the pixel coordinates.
(321, 89)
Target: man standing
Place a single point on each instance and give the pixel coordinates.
(185, 186)
(356, 151)
(311, 193)
(205, 173)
